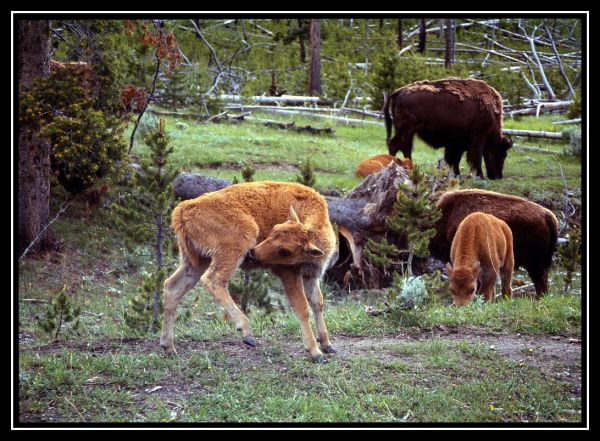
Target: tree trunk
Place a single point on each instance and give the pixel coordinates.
(302, 46)
(422, 35)
(314, 85)
(449, 43)
(399, 34)
(34, 151)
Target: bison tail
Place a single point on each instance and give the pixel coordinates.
(187, 250)
(387, 117)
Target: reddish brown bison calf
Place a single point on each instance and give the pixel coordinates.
(482, 249)
(460, 115)
(378, 162)
(281, 226)
(534, 228)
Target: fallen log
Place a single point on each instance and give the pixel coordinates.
(306, 112)
(272, 99)
(542, 108)
(568, 121)
(533, 133)
(292, 126)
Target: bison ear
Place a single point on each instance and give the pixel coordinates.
(449, 269)
(476, 266)
(407, 163)
(313, 251)
(293, 215)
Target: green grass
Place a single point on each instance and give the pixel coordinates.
(390, 368)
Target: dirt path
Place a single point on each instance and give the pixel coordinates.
(553, 355)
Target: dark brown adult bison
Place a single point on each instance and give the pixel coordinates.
(460, 115)
(534, 228)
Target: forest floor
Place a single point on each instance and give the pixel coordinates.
(511, 361)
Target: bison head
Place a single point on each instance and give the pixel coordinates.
(494, 157)
(288, 244)
(463, 283)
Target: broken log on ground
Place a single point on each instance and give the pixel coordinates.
(292, 126)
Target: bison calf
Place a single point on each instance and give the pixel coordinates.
(534, 228)
(481, 250)
(378, 163)
(281, 226)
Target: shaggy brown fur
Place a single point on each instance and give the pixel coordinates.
(481, 250)
(378, 163)
(281, 226)
(534, 228)
(460, 115)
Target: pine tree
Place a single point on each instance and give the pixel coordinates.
(174, 95)
(60, 312)
(248, 171)
(381, 254)
(307, 174)
(414, 215)
(143, 214)
(569, 256)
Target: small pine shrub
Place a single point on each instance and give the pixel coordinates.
(569, 256)
(381, 254)
(307, 174)
(60, 312)
(253, 287)
(248, 171)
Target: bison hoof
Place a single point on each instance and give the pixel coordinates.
(249, 341)
(170, 351)
(329, 350)
(318, 358)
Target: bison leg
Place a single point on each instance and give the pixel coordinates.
(539, 277)
(221, 269)
(452, 156)
(402, 141)
(474, 157)
(315, 300)
(506, 276)
(175, 287)
(292, 283)
(488, 282)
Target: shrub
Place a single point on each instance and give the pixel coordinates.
(307, 174)
(407, 292)
(86, 141)
(60, 312)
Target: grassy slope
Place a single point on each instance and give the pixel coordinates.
(105, 375)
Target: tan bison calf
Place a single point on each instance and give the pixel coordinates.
(481, 250)
(534, 228)
(378, 162)
(281, 226)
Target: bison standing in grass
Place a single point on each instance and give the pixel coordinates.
(481, 250)
(281, 226)
(460, 115)
(534, 228)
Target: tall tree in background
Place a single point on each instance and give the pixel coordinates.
(314, 84)
(34, 151)
(449, 37)
(399, 34)
(422, 35)
(301, 41)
